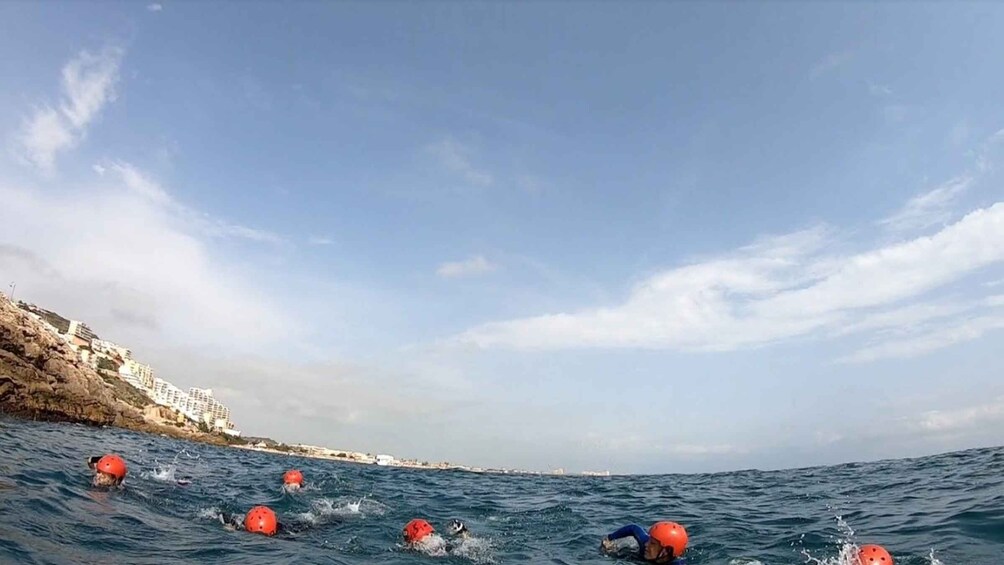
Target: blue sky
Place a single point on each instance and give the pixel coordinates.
(643, 237)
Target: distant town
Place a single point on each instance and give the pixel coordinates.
(198, 406)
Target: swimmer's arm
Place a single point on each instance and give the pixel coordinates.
(631, 530)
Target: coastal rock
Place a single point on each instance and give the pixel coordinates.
(41, 377)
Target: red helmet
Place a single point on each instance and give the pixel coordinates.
(113, 465)
(293, 477)
(874, 555)
(416, 530)
(261, 520)
(670, 535)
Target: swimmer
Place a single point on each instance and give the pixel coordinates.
(874, 555)
(665, 542)
(292, 480)
(421, 536)
(458, 529)
(109, 470)
(259, 520)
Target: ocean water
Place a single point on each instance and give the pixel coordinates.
(945, 509)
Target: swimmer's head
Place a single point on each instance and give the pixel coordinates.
(874, 555)
(456, 528)
(261, 520)
(109, 471)
(416, 530)
(667, 541)
(291, 478)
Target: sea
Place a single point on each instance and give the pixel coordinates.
(944, 509)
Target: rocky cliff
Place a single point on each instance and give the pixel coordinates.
(41, 377)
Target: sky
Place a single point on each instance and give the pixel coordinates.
(642, 237)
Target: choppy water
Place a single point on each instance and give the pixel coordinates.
(950, 504)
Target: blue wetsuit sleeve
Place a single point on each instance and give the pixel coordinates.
(631, 530)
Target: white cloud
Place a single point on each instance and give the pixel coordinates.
(473, 266)
(154, 7)
(142, 185)
(940, 338)
(456, 158)
(777, 289)
(961, 419)
(929, 209)
(99, 169)
(44, 135)
(88, 85)
(131, 267)
(879, 89)
(320, 240)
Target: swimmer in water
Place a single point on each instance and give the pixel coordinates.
(292, 480)
(665, 542)
(874, 555)
(458, 529)
(109, 470)
(259, 520)
(421, 536)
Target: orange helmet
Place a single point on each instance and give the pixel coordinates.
(261, 520)
(874, 555)
(113, 465)
(670, 535)
(416, 530)
(293, 477)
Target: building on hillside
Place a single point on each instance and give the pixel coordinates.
(111, 349)
(80, 334)
(204, 407)
(142, 372)
(166, 394)
(54, 320)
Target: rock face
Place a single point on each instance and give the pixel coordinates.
(41, 377)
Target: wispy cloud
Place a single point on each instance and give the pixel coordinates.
(879, 89)
(931, 208)
(776, 289)
(154, 7)
(320, 240)
(473, 266)
(829, 63)
(144, 186)
(457, 158)
(88, 84)
(960, 419)
(939, 338)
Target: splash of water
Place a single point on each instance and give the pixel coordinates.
(478, 550)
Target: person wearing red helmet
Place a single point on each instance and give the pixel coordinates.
(292, 480)
(109, 470)
(259, 520)
(664, 542)
(874, 555)
(421, 536)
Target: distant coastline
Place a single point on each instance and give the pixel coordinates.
(46, 375)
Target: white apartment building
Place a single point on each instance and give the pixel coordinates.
(111, 349)
(204, 406)
(166, 394)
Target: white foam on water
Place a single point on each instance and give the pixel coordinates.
(934, 560)
(478, 550)
(212, 512)
(745, 561)
(432, 545)
(323, 509)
